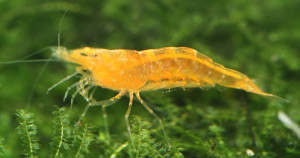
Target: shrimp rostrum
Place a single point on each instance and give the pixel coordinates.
(131, 72)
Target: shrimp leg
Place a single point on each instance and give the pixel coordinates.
(127, 115)
(61, 81)
(104, 104)
(69, 88)
(152, 113)
(80, 89)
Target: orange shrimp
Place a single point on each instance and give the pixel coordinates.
(131, 71)
(153, 69)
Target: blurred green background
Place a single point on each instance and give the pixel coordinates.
(258, 38)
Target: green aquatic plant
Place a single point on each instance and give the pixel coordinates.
(27, 131)
(82, 139)
(65, 140)
(61, 139)
(76, 141)
(2, 148)
(145, 142)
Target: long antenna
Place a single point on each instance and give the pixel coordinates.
(46, 64)
(59, 29)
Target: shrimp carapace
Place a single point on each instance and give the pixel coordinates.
(153, 69)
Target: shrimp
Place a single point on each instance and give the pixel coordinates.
(131, 72)
(154, 69)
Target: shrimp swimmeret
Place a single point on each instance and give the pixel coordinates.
(131, 72)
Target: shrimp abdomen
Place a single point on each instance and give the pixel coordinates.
(185, 67)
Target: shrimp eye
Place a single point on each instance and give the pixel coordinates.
(83, 54)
